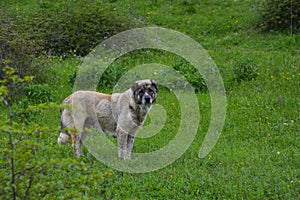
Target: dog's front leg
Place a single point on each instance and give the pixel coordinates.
(122, 143)
(130, 141)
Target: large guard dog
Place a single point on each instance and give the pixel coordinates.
(119, 115)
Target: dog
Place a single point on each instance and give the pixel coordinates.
(120, 115)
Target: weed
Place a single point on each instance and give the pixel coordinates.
(245, 70)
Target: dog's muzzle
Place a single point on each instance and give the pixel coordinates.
(147, 99)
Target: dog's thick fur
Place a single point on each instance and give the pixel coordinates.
(119, 115)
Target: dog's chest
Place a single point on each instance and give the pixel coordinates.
(105, 116)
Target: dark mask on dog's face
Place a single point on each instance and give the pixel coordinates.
(145, 92)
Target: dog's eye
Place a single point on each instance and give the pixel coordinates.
(141, 91)
(150, 91)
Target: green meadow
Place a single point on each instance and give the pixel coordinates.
(257, 155)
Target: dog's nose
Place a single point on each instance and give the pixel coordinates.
(147, 99)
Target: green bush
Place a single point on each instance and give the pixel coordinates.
(34, 94)
(58, 28)
(280, 15)
(17, 48)
(31, 166)
(75, 27)
(39, 93)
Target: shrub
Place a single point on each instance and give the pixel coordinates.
(75, 27)
(34, 94)
(53, 28)
(31, 167)
(280, 15)
(17, 49)
(39, 93)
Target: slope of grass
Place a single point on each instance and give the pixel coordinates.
(257, 155)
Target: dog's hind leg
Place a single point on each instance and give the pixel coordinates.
(88, 124)
(78, 142)
(77, 149)
(74, 142)
(65, 122)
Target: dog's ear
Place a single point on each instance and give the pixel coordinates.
(154, 84)
(134, 86)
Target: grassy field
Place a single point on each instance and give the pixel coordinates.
(258, 153)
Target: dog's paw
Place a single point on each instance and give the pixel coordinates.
(124, 155)
(127, 157)
(63, 139)
(77, 154)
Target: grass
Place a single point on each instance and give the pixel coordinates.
(257, 155)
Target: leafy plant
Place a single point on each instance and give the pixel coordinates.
(34, 94)
(62, 28)
(39, 93)
(12, 131)
(280, 15)
(25, 174)
(75, 27)
(17, 48)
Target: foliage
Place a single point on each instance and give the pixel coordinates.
(114, 72)
(39, 93)
(280, 15)
(257, 155)
(75, 27)
(29, 37)
(26, 170)
(34, 95)
(17, 48)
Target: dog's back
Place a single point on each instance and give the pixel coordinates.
(86, 109)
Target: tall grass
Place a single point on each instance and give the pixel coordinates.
(257, 155)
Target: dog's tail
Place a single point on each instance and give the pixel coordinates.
(64, 136)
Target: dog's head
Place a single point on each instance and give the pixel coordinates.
(144, 91)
